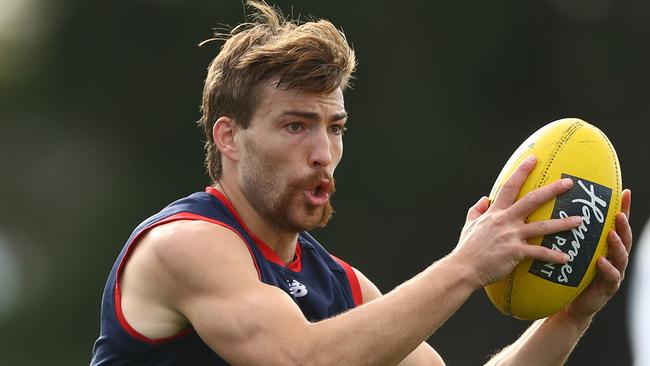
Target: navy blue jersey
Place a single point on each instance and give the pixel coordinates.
(321, 285)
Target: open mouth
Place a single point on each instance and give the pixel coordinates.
(323, 188)
(320, 194)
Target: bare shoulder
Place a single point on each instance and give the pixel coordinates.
(176, 262)
(204, 276)
(186, 249)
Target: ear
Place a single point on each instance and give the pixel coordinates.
(223, 135)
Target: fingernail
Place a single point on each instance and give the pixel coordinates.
(577, 220)
(531, 159)
(567, 182)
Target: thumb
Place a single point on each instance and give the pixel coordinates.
(478, 209)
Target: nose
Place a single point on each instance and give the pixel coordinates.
(321, 152)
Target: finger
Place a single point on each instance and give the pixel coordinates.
(545, 227)
(617, 253)
(544, 254)
(626, 202)
(609, 275)
(478, 209)
(624, 230)
(538, 197)
(510, 189)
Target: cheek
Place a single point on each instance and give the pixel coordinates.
(277, 163)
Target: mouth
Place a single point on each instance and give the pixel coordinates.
(320, 194)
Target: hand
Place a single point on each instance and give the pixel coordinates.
(493, 240)
(611, 269)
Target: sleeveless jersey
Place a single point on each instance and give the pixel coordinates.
(321, 284)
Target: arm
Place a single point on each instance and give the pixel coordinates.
(550, 341)
(248, 322)
(206, 276)
(424, 354)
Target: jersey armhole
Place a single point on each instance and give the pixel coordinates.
(117, 296)
(352, 280)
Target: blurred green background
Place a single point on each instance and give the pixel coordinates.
(98, 101)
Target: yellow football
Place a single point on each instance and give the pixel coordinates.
(566, 148)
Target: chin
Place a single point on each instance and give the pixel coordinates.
(306, 224)
(316, 218)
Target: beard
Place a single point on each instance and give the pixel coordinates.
(279, 199)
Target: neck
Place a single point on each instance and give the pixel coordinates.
(281, 242)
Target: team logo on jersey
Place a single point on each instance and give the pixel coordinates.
(297, 289)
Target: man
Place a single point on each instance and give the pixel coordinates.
(229, 275)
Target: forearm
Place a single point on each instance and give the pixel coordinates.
(384, 331)
(548, 341)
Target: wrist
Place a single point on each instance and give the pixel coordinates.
(462, 271)
(575, 321)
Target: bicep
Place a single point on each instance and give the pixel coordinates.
(218, 290)
(423, 355)
(249, 325)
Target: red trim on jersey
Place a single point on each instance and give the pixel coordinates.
(269, 254)
(352, 279)
(118, 296)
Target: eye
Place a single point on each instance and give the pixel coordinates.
(338, 129)
(294, 127)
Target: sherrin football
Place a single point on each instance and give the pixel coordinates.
(566, 148)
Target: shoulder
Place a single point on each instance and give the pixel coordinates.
(177, 265)
(180, 255)
(187, 236)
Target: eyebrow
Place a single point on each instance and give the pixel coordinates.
(314, 115)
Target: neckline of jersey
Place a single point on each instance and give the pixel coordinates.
(269, 254)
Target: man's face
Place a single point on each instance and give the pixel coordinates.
(289, 153)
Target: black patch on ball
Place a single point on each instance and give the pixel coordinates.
(591, 201)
